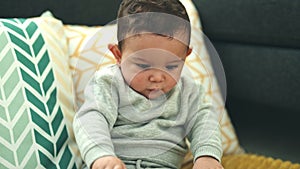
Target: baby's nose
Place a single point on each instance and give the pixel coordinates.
(157, 76)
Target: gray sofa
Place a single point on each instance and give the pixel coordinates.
(259, 46)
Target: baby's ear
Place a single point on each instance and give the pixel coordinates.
(189, 51)
(114, 48)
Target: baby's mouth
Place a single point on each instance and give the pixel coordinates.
(154, 93)
(155, 90)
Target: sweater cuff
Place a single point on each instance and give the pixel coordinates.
(208, 151)
(95, 153)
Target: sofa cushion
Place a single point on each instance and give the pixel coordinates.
(258, 43)
(36, 98)
(274, 23)
(70, 11)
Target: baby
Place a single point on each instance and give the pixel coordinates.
(139, 112)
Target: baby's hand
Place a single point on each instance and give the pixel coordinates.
(207, 163)
(108, 162)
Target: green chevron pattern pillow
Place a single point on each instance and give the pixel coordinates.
(36, 98)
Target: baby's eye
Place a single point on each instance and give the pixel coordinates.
(171, 67)
(143, 66)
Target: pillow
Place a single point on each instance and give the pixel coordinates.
(192, 12)
(89, 52)
(36, 97)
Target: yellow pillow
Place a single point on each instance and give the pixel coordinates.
(192, 12)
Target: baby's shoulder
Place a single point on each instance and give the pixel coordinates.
(187, 81)
(190, 85)
(108, 74)
(107, 71)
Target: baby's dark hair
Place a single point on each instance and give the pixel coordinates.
(162, 17)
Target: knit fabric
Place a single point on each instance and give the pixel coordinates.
(116, 120)
(252, 161)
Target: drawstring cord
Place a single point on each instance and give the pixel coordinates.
(138, 164)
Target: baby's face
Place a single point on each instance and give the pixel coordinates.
(152, 64)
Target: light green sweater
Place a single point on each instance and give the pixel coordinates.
(116, 120)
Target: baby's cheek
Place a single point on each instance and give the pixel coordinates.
(138, 81)
(173, 83)
(173, 77)
(170, 84)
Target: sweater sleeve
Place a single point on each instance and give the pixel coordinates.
(95, 119)
(204, 135)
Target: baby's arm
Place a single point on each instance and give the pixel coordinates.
(205, 135)
(94, 120)
(108, 162)
(207, 162)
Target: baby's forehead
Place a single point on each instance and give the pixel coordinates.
(154, 56)
(153, 40)
(180, 36)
